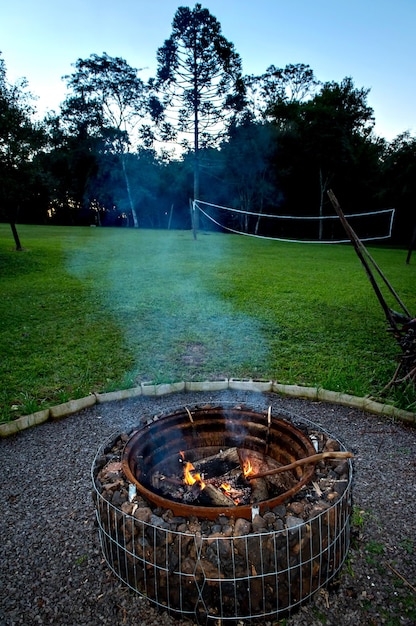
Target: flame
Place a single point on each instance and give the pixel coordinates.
(225, 487)
(247, 468)
(191, 479)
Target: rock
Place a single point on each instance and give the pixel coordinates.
(143, 514)
(242, 527)
(117, 498)
(342, 469)
(155, 520)
(332, 445)
(127, 508)
(293, 522)
(340, 486)
(269, 518)
(259, 525)
(298, 508)
(280, 510)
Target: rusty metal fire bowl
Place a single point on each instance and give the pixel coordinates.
(215, 563)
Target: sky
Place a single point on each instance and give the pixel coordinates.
(372, 41)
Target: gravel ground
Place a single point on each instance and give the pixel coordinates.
(52, 570)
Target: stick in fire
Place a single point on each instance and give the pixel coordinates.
(314, 458)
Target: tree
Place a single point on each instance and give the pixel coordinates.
(293, 83)
(107, 97)
(72, 163)
(326, 139)
(279, 88)
(399, 185)
(336, 121)
(199, 76)
(20, 139)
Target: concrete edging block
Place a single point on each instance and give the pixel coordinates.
(296, 391)
(21, 423)
(152, 389)
(207, 385)
(122, 394)
(249, 384)
(72, 406)
(162, 389)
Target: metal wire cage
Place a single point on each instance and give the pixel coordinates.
(222, 579)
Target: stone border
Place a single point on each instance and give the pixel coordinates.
(150, 389)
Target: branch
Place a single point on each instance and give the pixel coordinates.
(314, 458)
(406, 582)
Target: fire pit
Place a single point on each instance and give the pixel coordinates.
(224, 513)
(160, 449)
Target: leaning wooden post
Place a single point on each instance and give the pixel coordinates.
(359, 249)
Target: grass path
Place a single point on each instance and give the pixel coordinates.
(88, 309)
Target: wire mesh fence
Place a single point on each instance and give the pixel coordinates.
(222, 577)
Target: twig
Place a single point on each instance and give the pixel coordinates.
(314, 458)
(189, 414)
(400, 576)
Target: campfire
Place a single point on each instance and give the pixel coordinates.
(224, 512)
(222, 447)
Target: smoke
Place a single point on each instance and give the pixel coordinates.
(174, 301)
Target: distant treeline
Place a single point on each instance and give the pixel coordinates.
(277, 143)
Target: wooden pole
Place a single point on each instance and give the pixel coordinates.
(362, 253)
(193, 210)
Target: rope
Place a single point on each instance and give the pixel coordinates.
(291, 217)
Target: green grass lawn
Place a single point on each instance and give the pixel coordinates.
(91, 309)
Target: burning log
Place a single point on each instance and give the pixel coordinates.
(215, 496)
(218, 464)
(259, 490)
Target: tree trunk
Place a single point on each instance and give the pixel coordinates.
(323, 185)
(412, 245)
(195, 213)
(256, 230)
(16, 237)
(195, 223)
(127, 181)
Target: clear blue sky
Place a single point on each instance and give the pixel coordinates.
(373, 41)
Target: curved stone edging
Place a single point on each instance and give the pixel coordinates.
(21, 423)
(150, 389)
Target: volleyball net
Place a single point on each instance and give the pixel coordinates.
(369, 226)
